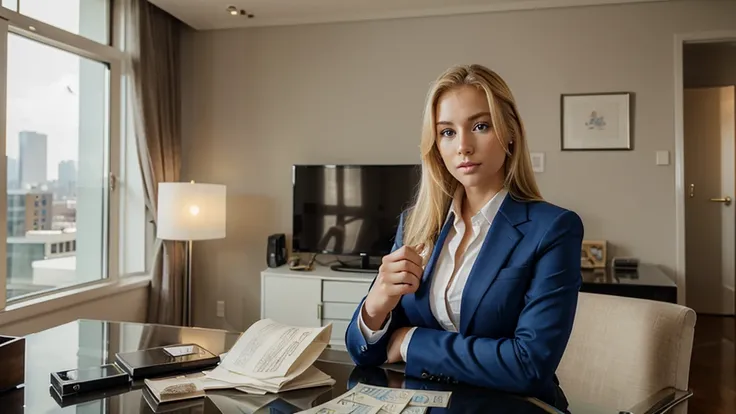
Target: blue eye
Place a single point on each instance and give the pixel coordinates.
(447, 133)
(482, 127)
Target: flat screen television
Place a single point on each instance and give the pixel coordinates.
(350, 210)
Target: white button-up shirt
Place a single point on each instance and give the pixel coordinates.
(445, 301)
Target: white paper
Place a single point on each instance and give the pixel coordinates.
(269, 357)
(183, 386)
(176, 351)
(269, 349)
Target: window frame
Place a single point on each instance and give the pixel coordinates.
(124, 203)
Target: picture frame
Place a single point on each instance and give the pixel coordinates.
(593, 254)
(596, 121)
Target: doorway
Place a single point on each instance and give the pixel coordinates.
(706, 173)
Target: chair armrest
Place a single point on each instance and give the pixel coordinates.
(660, 402)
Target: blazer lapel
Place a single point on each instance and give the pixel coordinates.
(500, 241)
(422, 294)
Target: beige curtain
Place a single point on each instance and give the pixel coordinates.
(153, 46)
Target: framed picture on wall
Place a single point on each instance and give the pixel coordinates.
(598, 121)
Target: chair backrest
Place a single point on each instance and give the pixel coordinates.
(623, 350)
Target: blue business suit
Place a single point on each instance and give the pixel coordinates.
(517, 309)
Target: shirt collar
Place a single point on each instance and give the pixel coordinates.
(487, 212)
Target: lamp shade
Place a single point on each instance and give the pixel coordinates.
(191, 211)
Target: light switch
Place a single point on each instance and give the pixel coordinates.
(537, 161)
(663, 158)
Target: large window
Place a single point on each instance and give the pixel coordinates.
(64, 139)
(88, 18)
(56, 144)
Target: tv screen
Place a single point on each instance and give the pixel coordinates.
(350, 209)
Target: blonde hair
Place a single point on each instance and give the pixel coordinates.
(425, 219)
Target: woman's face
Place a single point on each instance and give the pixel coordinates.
(466, 139)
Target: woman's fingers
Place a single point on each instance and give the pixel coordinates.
(404, 253)
(401, 271)
(403, 266)
(397, 289)
(401, 277)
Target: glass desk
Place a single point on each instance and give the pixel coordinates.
(89, 343)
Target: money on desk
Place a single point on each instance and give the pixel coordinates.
(370, 399)
(424, 398)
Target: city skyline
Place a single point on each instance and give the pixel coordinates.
(13, 165)
(50, 166)
(43, 85)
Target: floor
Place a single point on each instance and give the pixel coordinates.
(713, 366)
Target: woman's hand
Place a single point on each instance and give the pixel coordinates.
(399, 274)
(393, 350)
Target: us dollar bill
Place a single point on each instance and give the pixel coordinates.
(396, 400)
(424, 398)
(371, 399)
(414, 410)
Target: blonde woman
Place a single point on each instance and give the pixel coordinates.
(482, 284)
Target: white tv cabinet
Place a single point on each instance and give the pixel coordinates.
(313, 298)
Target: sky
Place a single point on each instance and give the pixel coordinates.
(43, 84)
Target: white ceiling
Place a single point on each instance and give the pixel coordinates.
(212, 14)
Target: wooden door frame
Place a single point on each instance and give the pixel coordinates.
(680, 190)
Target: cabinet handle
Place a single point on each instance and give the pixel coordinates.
(319, 311)
(726, 200)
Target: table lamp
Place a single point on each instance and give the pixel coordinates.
(188, 212)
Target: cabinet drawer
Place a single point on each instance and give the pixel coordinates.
(338, 329)
(340, 311)
(345, 292)
(292, 301)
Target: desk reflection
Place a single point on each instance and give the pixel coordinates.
(88, 343)
(464, 399)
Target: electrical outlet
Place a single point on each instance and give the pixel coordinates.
(220, 308)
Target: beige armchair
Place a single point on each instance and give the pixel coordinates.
(625, 351)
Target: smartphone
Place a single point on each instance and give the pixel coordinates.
(89, 374)
(76, 381)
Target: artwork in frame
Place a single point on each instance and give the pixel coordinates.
(593, 254)
(599, 121)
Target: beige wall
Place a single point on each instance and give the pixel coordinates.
(709, 64)
(256, 101)
(127, 306)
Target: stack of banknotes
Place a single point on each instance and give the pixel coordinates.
(369, 399)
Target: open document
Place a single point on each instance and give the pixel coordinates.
(269, 349)
(274, 357)
(269, 357)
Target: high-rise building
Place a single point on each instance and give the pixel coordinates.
(67, 178)
(13, 178)
(32, 163)
(29, 210)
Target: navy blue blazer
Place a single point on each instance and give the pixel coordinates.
(517, 308)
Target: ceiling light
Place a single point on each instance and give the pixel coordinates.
(232, 10)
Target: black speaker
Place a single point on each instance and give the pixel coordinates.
(276, 251)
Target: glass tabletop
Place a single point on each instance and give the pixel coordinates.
(645, 274)
(90, 343)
